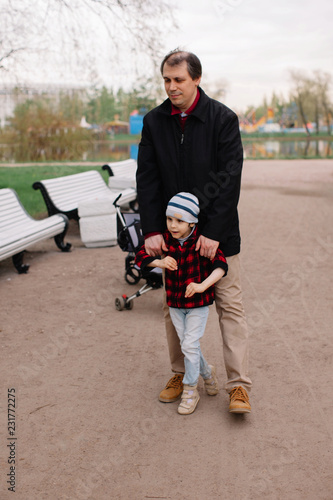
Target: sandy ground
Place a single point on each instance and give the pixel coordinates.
(87, 377)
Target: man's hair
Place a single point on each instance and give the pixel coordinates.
(177, 56)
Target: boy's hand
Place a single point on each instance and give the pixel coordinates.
(193, 288)
(169, 263)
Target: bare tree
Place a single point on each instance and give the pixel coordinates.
(313, 98)
(81, 35)
(323, 83)
(303, 95)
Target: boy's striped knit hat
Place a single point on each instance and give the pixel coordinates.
(184, 206)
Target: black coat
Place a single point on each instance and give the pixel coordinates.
(205, 160)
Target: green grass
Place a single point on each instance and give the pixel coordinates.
(126, 138)
(21, 180)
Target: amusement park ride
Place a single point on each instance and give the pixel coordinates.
(266, 123)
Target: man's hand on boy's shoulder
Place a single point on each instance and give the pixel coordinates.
(155, 245)
(207, 247)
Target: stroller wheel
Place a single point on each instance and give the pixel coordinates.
(129, 305)
(120, 303)
(132, 276)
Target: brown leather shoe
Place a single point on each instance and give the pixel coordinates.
(173, 390)
(239, 400)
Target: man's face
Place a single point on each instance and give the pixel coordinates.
(179, 86)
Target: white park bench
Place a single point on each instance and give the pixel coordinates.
(122, 174)
(18, 230)
(65, 194)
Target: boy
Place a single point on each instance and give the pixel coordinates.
(189, 280)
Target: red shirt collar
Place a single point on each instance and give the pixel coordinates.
(177, 111)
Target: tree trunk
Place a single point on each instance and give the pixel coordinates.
(301, 110)
(317, 117)
(327, 116)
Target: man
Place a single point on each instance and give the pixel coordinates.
(192, 143)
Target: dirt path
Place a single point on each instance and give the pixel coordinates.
(87, 377)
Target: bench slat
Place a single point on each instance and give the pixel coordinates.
(18, 230)
(6, 218)
(126, 168)
(18, 246)
(63, 194)
(11, 211)
(122, 174)
(67, 199)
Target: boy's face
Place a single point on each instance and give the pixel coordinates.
(178, 228)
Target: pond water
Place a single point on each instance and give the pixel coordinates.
(107, 151)
(115, 151)
(252, 149)
(288, 149)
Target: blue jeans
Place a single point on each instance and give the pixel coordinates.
(190, 326)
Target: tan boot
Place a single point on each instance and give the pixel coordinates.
(173, 389)
(239, 400)
(190, 399)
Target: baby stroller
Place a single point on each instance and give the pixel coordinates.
(130, 239)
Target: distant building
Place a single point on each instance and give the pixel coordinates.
(11, 95)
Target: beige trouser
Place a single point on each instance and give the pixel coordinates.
(229, 307)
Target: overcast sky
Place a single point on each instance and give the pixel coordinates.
(248, 44)
(253, 43)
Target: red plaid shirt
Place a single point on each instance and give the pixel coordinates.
(191, 268)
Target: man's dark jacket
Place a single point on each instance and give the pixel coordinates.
(206, 160)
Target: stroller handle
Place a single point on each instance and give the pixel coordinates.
(115, 201)
(117, 207)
